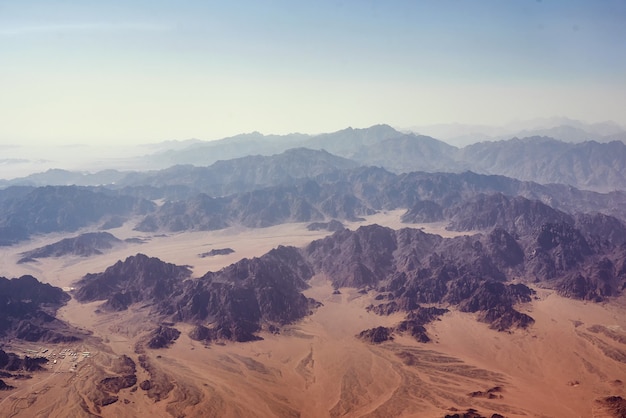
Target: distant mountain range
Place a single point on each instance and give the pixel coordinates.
(560, 128)
(257, 160)
(343, 194)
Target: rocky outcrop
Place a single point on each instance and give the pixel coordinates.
(237, 301)
(613, 406)
(4, 386)
(163, 337)
(110, 386)
(376, 335)
(423, 211)
(139, 278)
(516, 215)
(471, 413)
(597, 280)
(556, 249)
(332, 226)
(414, 322)
(415, 267)
(601, 230)
(354, 259)
(83, 245)
(27, 309)
(217, 251)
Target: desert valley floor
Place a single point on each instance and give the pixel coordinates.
(572, 355)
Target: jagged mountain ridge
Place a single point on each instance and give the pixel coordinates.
(152, 279)
(409, 266)
(543, 159)
(236, 300)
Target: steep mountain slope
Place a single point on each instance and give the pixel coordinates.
(27, 309)
(137, 279)
(517, 215)
(589, 165)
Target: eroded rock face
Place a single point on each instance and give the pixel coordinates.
(245, 295)
(424, 211)
(614, 406)
(376, 335)
(237, 300)
(4, 386)
(217, 251)
(137, 279)
(163, 337)
(517, 215)
(27, 309)
(13, 363)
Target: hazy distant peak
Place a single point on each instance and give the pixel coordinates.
(374, 129)
(538, 139)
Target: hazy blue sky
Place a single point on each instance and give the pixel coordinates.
(147, 71)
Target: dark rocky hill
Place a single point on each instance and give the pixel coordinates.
(12, 365)
(405, 153)
(241, 299)
(137, 279)
(27, 309)
(517, 215)
(83, 245)
(233, 303)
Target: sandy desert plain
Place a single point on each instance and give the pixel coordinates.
(571, 356)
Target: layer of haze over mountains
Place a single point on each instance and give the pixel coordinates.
(556, 150)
